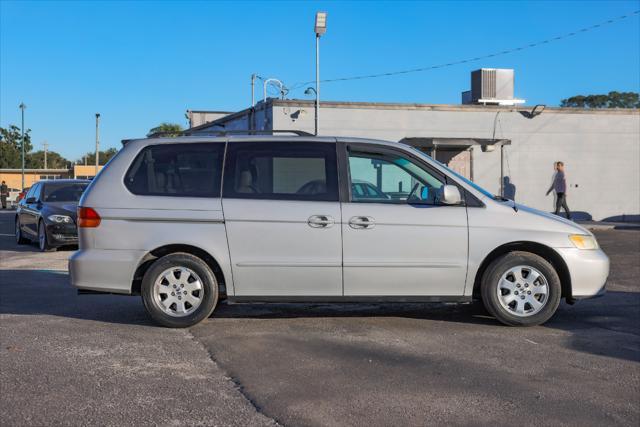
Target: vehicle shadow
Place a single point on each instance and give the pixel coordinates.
(607, 326)
(47, 292)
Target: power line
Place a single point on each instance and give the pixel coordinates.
(477, 58)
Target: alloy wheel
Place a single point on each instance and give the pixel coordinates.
(42, 237)
(523, 291)
(178, 291)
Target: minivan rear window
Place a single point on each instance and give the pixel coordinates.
(178, 170)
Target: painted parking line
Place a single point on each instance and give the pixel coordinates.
(7, 235)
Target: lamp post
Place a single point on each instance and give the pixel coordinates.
(22, 108)
(97, 142)
(45, 146)
(320, 28)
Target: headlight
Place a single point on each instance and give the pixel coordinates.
(60, 219)
(582, 241)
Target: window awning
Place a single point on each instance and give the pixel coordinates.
(420, 142)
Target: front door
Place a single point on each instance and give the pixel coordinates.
(29, 211)
(282, 215)
(398, 239)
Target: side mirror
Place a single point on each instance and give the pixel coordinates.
(424, 194)
(30, 200)
(449, 195)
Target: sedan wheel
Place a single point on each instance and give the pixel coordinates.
(43, 243)
(19, 237)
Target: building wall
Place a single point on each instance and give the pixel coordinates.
(85, 171)
(198, 118)
(13, 177)
(601, 150)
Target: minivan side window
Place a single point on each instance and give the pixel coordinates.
(177, 170)
(389, 178)
(281, 171)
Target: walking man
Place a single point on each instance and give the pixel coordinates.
(4, 193)
(559, 185)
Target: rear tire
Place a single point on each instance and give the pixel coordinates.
(521, 289)
(20, 239)
(179, 290)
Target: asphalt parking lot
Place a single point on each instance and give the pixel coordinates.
(98, 360)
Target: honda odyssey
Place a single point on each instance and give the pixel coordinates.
(185, 222)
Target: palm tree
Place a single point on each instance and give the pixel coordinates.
(166, 129)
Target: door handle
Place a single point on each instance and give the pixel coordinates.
(320, 221)
(360, 222)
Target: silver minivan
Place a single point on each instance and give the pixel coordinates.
(186, 222)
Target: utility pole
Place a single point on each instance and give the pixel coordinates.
(320, 28)
(45, 145)
(22, 107)
(97, 142)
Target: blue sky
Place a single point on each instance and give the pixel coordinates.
(142, 63)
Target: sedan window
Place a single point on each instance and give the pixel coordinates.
(63, 192)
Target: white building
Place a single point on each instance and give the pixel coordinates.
(600, 148)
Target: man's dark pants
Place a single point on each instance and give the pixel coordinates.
(561, 201)
(3, 199)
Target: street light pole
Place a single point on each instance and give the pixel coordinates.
(97, 142)
(317, 83)
(22, 108)
(45, 146)
(320, 29)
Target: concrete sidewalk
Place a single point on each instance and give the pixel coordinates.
(605, 225)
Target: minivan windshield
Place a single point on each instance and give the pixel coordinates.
(68, 192)
(462, 178)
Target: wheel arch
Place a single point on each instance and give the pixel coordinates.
(539, 249)
(155, 254)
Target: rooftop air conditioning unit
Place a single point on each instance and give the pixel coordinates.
(491, 86)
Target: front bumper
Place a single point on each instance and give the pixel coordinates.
(104, 270)
(62, 234)
(588, 269)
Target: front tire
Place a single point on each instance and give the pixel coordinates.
(179, 290)
(521, 289)
(20, 239)
(43, 239)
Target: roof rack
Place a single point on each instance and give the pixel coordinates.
(223, 133)
(231, 132)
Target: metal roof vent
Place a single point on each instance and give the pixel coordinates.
(491, 86)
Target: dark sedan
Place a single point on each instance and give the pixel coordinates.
(47, 214)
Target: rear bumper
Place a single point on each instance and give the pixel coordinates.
(104, 270)
(588, 269)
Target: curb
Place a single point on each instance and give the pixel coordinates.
(605, 227)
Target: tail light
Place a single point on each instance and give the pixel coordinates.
(88, 218)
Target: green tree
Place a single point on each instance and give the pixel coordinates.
(105, 156)
(11, 146)
(166, 129)
(611, 100)
(35, 160)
